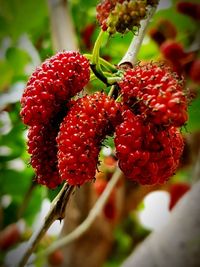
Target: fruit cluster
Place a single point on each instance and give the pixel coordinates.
(121, 15)
(65, 137)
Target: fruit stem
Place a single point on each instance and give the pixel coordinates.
(95, 62)
(57, 212)
(111, 90)
(131, 54)
(97, 45)
(107, 65)
(85, 225)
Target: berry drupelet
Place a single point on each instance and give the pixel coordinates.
(85, 126)
(146, 153)
(52, 84)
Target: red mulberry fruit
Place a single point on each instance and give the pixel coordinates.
(157, 93)
(172, 50)
(190, 9)
(120, 15)
(164, 30)
(81, 132)
(54, 82)
(43, 149)
(147, 154)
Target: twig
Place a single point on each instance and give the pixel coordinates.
(57, 212)
(131, 54)
(85, 225)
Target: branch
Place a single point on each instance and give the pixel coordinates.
(131, 54)
(57, 212)
(85, 225)
(62, 29)
(178, 243)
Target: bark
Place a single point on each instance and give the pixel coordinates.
(178, 243)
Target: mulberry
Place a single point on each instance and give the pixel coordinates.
(81, 132)
(147, 154)
(190, 9)
(120, 15)
(43, 149)
(157, 93)
(53, 83)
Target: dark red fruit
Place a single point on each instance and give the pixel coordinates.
(164, 30)
(172, 50)
(9, 236)
(85, 126)
(157, 93)
(195, 71)
(147, 154)
(52, 84)
(120, 15)
(177, 190)
(43, 149)
(190, 9)
(56, 258)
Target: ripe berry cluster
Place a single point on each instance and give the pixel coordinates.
(87, 123)
(157, 93)
(65, 146)
(65, 135)
(146, 153)
(44, 105)
(52, 84)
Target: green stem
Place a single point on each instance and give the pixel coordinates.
(111, 90)
(107, 65)
(97, 45)
(95, 64)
